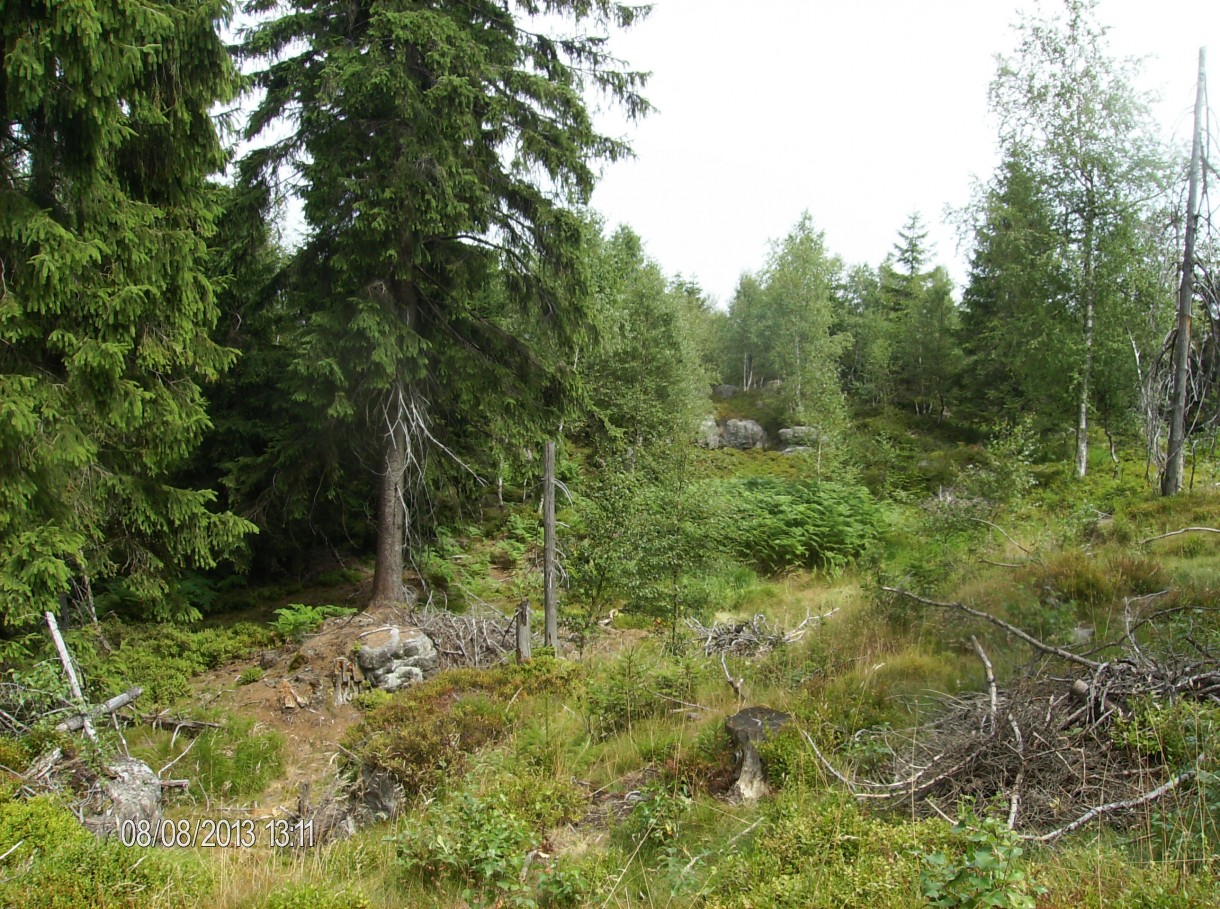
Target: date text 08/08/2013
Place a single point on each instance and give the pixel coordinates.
(209, 833)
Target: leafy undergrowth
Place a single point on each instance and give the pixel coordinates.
(603, 779)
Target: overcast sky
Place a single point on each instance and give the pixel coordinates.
(861, 112)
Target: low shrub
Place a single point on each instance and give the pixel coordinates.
(57, 864)
(424, 734)
(296, 620)
(482, 848)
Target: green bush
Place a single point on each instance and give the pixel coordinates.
(161, 659)
(251, 675)
(986, 871)
(235, 761)
(778, 524)
(57, 864)
(424, 734)
(296, 620)
(622, 695)
(815, 850)
(481, 846)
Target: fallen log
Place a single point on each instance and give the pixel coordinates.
(118, 702)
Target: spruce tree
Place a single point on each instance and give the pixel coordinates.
(436, 145)
(105, 306)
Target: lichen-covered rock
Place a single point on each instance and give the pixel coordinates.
(709, 433)
(394, 657)
(747, 728)
(800, 435)
(743, 434)
(724, 392)
(130, 791)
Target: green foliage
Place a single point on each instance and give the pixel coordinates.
(1174, 734)
(656, 820)
(161, 658)
(987, 873)
(815, 849)
(237, 761)
(57, 864)
(781, 525)
(296, 620)
(780, 326)
(311, 896)
(251, 675)
(104, 303)
(623, 694)
(480, 845)
(425, 733)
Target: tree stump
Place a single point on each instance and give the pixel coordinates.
(747, 728)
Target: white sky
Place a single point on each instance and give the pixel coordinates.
(861, 111)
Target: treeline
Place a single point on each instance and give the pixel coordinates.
(179, 390)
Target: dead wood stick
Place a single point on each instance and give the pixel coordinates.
(185, 752)
(1011, 629)
(735, 684)
(1175, 533)
(117, 702)
(1028, 552)
(1115, 806)
(73, 682)
(991, 692)
(160, 719)
(891, 790)
(1015, 804)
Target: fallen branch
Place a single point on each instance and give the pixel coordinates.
(1028, 552)
(1115, 806)
(1175, 533)
(991, 691)
(118, 702)
(162, 720)
(1000, 623)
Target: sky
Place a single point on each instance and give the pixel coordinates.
(859, 111)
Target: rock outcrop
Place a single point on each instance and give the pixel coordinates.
(743, 434)
(394, 657)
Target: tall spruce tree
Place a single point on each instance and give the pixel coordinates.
(436, 144)
(106, 141)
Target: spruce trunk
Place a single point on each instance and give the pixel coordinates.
(391, 522)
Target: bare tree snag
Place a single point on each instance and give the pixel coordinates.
(549, 606)
(1171, 479)
(524, 644)
(65, 658)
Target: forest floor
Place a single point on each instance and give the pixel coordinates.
(603, 779)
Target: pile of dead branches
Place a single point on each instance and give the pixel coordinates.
(751, 638)
(481, 637)
(1049, 746)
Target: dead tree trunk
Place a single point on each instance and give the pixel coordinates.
(65, 658)
(1171, 479)
(524, 644)
(549, 606)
